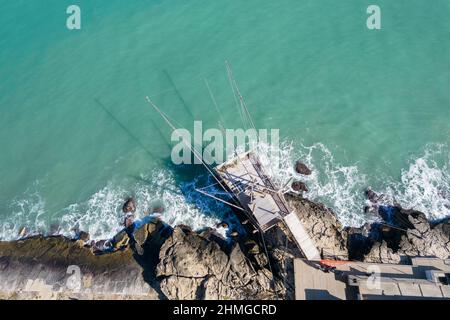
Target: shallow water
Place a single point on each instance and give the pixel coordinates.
(363, 108)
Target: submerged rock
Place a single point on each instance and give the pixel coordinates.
(372, 196)
(299, 186)
(302, 168)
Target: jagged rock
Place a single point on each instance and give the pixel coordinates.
(194, 267)
(372, 195)
(83, 236)
(299, 186)
(302, 168)
(380, 253)
(128, 220)
(425, 240)
(129, 206)
(409, 234)
(120, 240)
(322, 226)
(41, 267)
(140, 235)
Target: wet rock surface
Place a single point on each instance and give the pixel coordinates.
(299, 186)
(302, 168)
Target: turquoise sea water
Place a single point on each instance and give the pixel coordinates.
(363, 108)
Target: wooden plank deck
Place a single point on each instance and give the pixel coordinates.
(254, 190)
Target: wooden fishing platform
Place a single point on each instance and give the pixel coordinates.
(256, 194)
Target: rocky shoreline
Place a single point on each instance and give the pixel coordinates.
(151, 260)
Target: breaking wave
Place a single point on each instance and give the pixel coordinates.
(424, 185)
(101, 215)
(337, 186)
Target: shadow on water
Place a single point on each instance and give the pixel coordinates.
(187, 178)
(178, 93)
(127, 131)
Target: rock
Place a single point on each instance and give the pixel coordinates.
(101, 246)
(128, 220)
(193, 267)
(299, 186)
(129, 206)
(301, 168)
(404, 233)
(372, 196)
(322, 225)
(44, 263)
(83, 236)
(380, 253)
(120, 240)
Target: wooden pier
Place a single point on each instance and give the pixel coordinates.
(255, 193)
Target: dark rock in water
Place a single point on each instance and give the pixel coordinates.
(371, 195)
(129, 206)
(128, 220)
(84, 236)
(369, 209)
(299, 186)
(302, 168)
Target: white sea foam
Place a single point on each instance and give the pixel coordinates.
(27, 211)
(101, 215)
(424, 186)
(339, 187)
